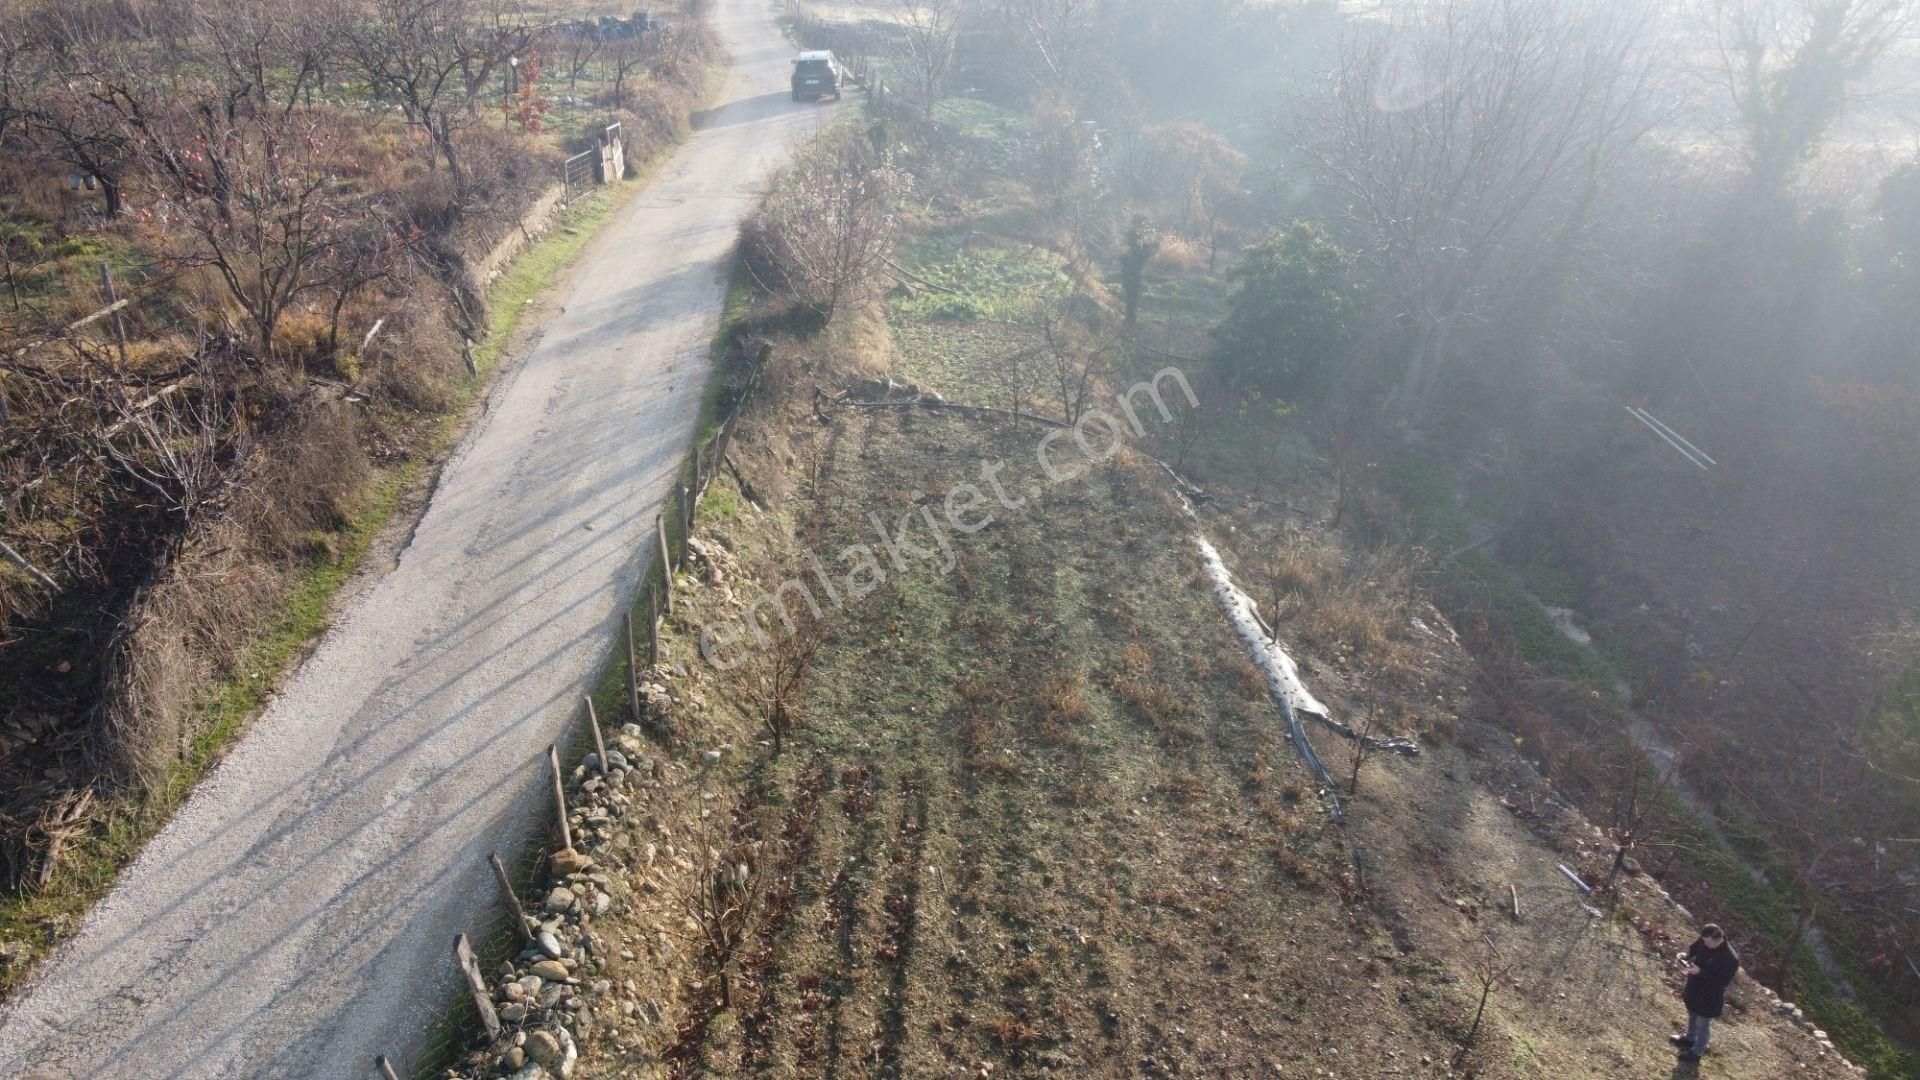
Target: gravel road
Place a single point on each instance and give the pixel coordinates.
(296, 917)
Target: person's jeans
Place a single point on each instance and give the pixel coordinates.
(1699, 1029)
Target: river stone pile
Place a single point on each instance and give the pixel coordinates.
(548, 994)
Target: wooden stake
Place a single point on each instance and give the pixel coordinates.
(476, 986)
(633, 671)
(697, 486)
(113, 305)
(559, 796)
(513, 901)
(368, 340)
(1515, 894)
(666, 562)
(686, 514)
(653, 629)
(599, 743)
(31, 570)
(386, 1068)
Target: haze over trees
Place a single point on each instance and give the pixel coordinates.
(1454, 242)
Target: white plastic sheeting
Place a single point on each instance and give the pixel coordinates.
(1283, 675)
(1283, 678)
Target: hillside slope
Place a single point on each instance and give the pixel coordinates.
(1037, 816)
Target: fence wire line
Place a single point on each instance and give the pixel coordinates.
(496, 940)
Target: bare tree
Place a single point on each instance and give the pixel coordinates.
(1465, 120)
(769, 689)
(831, 221)
(13, 74)
(495, 34)
(1631, 812)
(1362, 746)
(624, 56)
(59, 68)
(262, 47)
(1790, 67)
(1142, 243)
(660, 52)
(260, 205)
(418, 53)
(578, 49)
(1073, 344)
(1058, 38)
(1489, 971)
(926, 35)
(716, 904)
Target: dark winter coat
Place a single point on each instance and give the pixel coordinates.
(1706, 993)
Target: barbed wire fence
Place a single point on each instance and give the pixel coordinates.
(520, 865)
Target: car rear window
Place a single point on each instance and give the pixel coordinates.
(813, 67)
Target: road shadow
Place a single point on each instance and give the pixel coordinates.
(749, 110)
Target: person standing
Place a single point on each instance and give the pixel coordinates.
(1711, 966)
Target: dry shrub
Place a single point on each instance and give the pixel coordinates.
(1296, 867)
(823, 231)
(415, 361)
(1304, 569)
(1158, 705)
(1439, 728)
(303, 481)
(178, 636)
(1012, 1033)
(227, 579)
(300, 336)
(1182, 789)
(1026, 971)
(980, 729)
(1356, 605)
(164, 353)
(1089, 791)
(1063, 702)
(1178, 254)
(1284, 819)
(981, 735)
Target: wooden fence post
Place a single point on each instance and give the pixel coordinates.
(28, 568)
(653, 629)
(697, 485)
(599, 744)
(686, 514)
(513, 900)
(666, 562)
(633, 669)
(113, 303)
(477, 986)
(559, 796)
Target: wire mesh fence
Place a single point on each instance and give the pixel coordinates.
(576, 175)
(521, 863)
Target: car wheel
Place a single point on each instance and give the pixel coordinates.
(796, 95)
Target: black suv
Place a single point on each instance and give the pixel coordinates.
(816, 75)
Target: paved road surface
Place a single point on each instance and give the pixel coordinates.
(296, 918)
